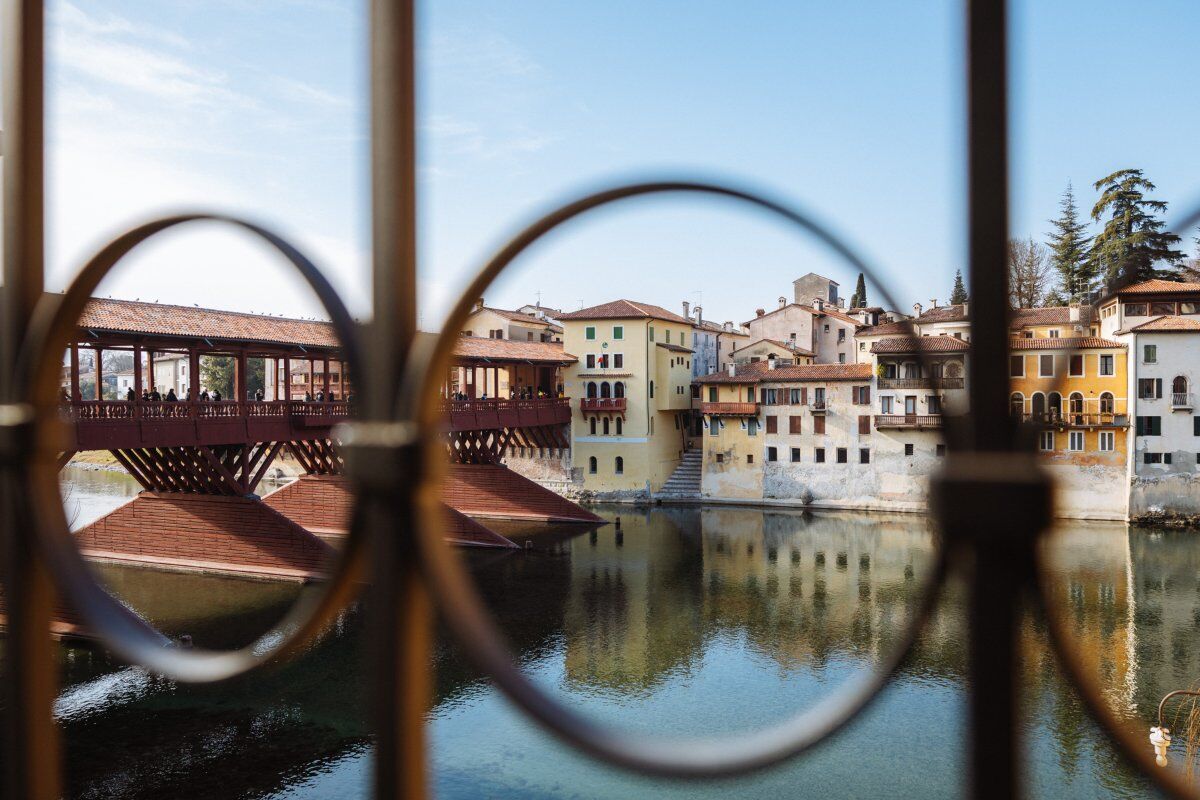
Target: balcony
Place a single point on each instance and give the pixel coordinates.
(817, 406)
(729, 409)
(1181, 401)
(600, 404)
(1079, 419)
(912, 421)
(920, 383)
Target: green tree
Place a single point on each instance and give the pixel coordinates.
(958, 294)
(859, 300)
(1069, 251)
(216, 374)
(1054, 298)
(1133, 241)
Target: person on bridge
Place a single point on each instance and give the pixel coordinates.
(258, 395)
(171, 397)
(216, 395)
(129, 395)
(204, 395)
(308, 397)
(156, 396)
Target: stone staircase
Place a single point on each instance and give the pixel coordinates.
(684, 483)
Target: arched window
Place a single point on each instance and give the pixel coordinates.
(912, 370)
(591, 389)
(1055, 410)
(1106, 403)
(592, 465)
(652, 388)
(1037, 405)
(605, 389)
(619, 389)
(593, 425)
(1179, 388)
(619, 466)
(1016, 404)
(1075, 407)
(606, 426)
(618, 426)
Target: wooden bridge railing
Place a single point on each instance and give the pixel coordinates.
(99, 410)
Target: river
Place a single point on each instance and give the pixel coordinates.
(685, 621)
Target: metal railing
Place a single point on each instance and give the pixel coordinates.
(394, 458)
(1181, 400)
(921, 383)
(602, 404)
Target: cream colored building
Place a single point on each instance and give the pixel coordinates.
(631, 390)
(486, 322)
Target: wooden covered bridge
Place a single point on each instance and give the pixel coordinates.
(198, 405)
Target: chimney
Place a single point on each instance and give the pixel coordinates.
(818, 304)
(479, 304)
(782, 302)
(771, 361)
(1074, 312)
(916, 309)
(966, 309)
(687, 309)
(728, 326)
(731, 369)
(699, 312)
(758, 312)
(933, 302)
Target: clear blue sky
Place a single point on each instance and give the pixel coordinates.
(852, 109)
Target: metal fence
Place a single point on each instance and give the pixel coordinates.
(991, 500)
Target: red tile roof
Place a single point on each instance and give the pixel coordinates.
(790, 348)
(887, 329)
(520, 316)
(625, 309)
(1169, 324)
(131, 316)
(1159, 286)
(1066, 343)
(838, 315)
(760, 372)
(800, 306)
(675, 348)
(1050, 315)
(955, 313)
(925, 344)
(477, 347)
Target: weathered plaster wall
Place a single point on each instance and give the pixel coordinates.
(1089, 491)
(1166, 495)
(733, 477)
(550, 471)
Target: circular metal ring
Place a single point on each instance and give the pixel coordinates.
(460, 604)
(54, 320)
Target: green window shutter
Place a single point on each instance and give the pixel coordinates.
(589, 332)
(618, 332)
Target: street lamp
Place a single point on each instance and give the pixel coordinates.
(1160, 735)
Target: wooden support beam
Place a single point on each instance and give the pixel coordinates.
(227, 478)
(272, 452)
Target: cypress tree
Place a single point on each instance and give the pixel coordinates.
(1069, 250)
(958, 294)
(859, 300)
(1133, 240)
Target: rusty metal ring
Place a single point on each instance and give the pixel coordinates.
(38, 376)
(460, 604)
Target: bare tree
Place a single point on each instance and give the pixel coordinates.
(1028, 273)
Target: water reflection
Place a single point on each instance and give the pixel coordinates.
(684, 621)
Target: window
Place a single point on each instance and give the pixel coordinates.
(1107, 441)
(841, 335)
(864, 424)
(749, 394)
(1179, 387)
(652, 333)
(1149, 426)
(818, 424)
(618, 360)
(602, 361)
(772, 454)
(590, 333)
(1076, 370)
(940, 451)
(720, 458)
(934, 403)
(885, 404)
(908, 449)
(591, 360)
(749, 459)
(819, 397)
(1107, 366)
(1157, 309)
(1075, 441)
(1136, 310)
(1016, 366)
(1149, 388)
(618, 389)
(695, 392)
(841, 358)
(1016, 404)
(618, 426)
(861, 395)
(1054, 333)
(712, 394)
(794, 397)
(668, 339)
(1106, 403)
(1156, 458)
(1196, 426)
(772, 426)
(841, 455)
(618, 331)
(827, 329)
(864, 456)
(652, 388)
(593, 428)
(606, 426)
(794, 424)
(819, 455)
(1189, 308)
(592, 465)
(1047, 441)
(752, 426)
(1046, 366)
(1150, 354)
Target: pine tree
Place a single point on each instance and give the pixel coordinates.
(1069, 250)
(859, 300)
(1053, 298)
(1133, 240)
(958, 294)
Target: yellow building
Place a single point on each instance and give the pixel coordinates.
(1074, 390)
(631, 386)
(1054, 322)
(733, 443)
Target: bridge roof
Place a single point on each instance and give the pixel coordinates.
(184, 322)
(477, 348)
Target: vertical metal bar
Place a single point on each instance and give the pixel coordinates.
(31, 755)
(999, 557)
(399, 605)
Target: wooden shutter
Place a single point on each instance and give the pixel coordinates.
(794, 424)
(772, 424)
(864, 424)
(818, 424)
(804, 395)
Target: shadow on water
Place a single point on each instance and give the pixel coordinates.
(682, 621)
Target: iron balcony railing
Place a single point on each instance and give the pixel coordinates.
(920, 383)
(602, 404)
(991, 500)
(1181, 400)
